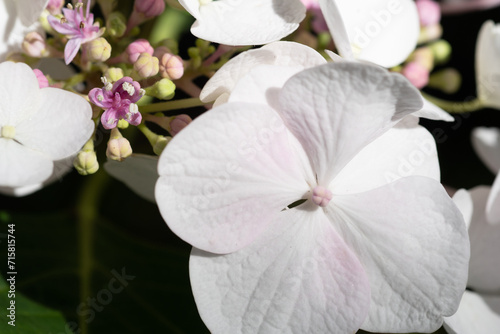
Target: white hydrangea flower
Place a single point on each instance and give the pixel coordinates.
(487, 65)
(17, 17)
(363, 251)
(37, 129)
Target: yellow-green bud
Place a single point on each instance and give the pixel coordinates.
(86, 162)
(441, 50)
(122, 124)
(116, 24)
(98, 50)
(448, 80)
(146, 65)
(430, 33)
(163, 89)
(118, 147)
(114, 74)
(161, 143)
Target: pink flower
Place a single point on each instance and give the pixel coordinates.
(417, 74)
(118, 101)
(429, 12)
(78, 27)
(42, 79)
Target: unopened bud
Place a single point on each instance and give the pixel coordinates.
(118, 148)
(178, 123)
(116, 24)
(429, 12)
(163, 89)
(447, 80)
(424, 56)
(42, 79)
(441, 50)
(98, 50)
(146, 66)
(430, 33)
(86, 162)
(113, 74)
(149, 8)
(54, 6)
(417, 74)
(122, 124)
(171, 67)
(161, 143)
(135, 49)
(34, 45)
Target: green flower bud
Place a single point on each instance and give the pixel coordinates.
(163, 89)
(146, 66)
(114, 74)
(116, 24)
(98, 50)
(441, 50)
(86, 162)
(160, 144)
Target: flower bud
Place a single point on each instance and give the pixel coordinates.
(135, 49)
(149, 8)
(114, 74)
(98, 50)
(417, 74)
(447, 80)
(86, 162)
(163, 89)
(160, 144)
(171, 67)
(429, 12)
(178, 123)
(42, 79)
(441, 50)
(34, 45)
(116, 24)
(146, 66)
(430, 33)
(424, 56)
(54, 6)
(118, 147)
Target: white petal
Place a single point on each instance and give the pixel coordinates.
(484, 269)
(476, 314)
(487, 65)
(486, 143)
(412, 242)
(242, 22)
(19, 93)
(278, 53)
(383, 32)
(299, 277)
(61, 125)
(336, 109)
(21, 166)
(402, 151)
(493, 204)
(138, 172)
(463, 200)
(432, 111)
(225, 176)
(29, 11)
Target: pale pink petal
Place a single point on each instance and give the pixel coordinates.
(337, 109)
(225, 176)
(21, 166)
(476, 314)
(242, 22)
(486, 143)
(298, 277)
(277, 53)
(412, 242)
(61, 125)
(62, 28)
(484, 270)
(493, 204)
(71, 49)
(138, 172)
(404, 150)
(19, 93)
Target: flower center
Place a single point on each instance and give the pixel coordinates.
(8, 132)
(321, 196)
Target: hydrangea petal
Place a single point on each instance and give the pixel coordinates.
(383, 32)
(19, 93)
(487, 67)
(402, 151)
(484, 275)
(29, 11)
(416, 257)
(277, 53)
(463, 200)
(138, 172)
(476, 314)
(486, 143)
(493, 204)
(432, 111)
(242, 22)
(16, 165)
(337, 109)
(71, 49)
(298, 277)
(61, 125)
(252, 170)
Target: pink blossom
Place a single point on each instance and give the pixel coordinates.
(417, 74)
(78, 27)
(137, 47)
(429, 12)
(42, 79)
(118, 101)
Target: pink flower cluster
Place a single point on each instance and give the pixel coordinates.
(118, 101)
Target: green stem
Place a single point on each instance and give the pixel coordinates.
(172, 105)
(455, 106)
(87, 210)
